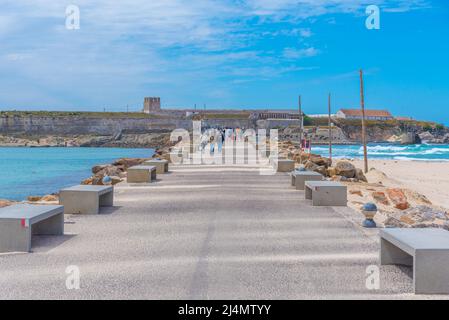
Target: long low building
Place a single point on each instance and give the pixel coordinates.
(356, 114)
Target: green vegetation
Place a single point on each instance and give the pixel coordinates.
(241, 115)
(55, 114)
(308, 121)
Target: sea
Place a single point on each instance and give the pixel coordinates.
(42, 171)
(418, 152)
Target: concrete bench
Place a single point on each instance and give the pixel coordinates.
(141, 174)
(326, 193)
(285, 165)
(86, 199)
(427, 250)
(19, 222)
(300, 177)
(161, 165)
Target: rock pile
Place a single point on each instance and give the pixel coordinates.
(434, 138)
(5, 203)
(418, 217)
(342, 171)
(116, 171)
(53, 198)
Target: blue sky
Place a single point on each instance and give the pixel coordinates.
(225, 54)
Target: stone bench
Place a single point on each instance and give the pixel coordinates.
(285, 165)
(18, 223)
(141, 174)
(86, 199)
(427, 250)
(161, 165)
(300, 177)
(326, 193)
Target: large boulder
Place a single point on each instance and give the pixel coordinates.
(322, 170)
(96, 169)
(128, 162)
(426, 136)
(321, 161)
(87, 181)
(345, 169)
(331, 172)
(5, 203)
(110, 171)
(446, 138)
(34, 198)
(359, 175)
(115, 180)
(410, 138)
(398, 198)
(380, 197)
(309, 165)
(50, 198)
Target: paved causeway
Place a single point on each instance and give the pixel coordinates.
(206, 232)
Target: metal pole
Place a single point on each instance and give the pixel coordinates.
(330, 128)
(362, 102)
(301, 123)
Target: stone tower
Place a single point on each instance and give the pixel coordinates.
(152, 104)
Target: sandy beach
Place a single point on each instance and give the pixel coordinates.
(428, 178)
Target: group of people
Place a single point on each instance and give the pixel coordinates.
(216, 137)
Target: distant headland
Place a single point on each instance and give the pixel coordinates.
(152, 126)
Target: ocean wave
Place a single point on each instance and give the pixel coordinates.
(420, 159)
(384, 148)
(423, 152)
(437, 151)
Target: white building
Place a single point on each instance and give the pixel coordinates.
(356, 114)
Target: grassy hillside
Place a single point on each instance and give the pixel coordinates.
(54, 114)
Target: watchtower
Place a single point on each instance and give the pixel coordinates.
(151, 104)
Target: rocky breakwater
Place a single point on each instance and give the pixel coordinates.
(117, 170)
(399, 206)
(119, 140)
(5, 203)
(341, 171)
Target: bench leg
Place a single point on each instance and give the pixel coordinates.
(300, 183)
(107, 200)
(51, 226)
(331, 198)
(308, 193)
(430, 273)
(14, 237)
(390, 254)
(153, 176)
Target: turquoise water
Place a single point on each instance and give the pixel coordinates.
(41, 171)
(423, 152)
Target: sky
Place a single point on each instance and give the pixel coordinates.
(226, 54)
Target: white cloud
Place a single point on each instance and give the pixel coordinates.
(293, 53)
(141, 44)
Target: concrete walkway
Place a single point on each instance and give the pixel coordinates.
(206, 232)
